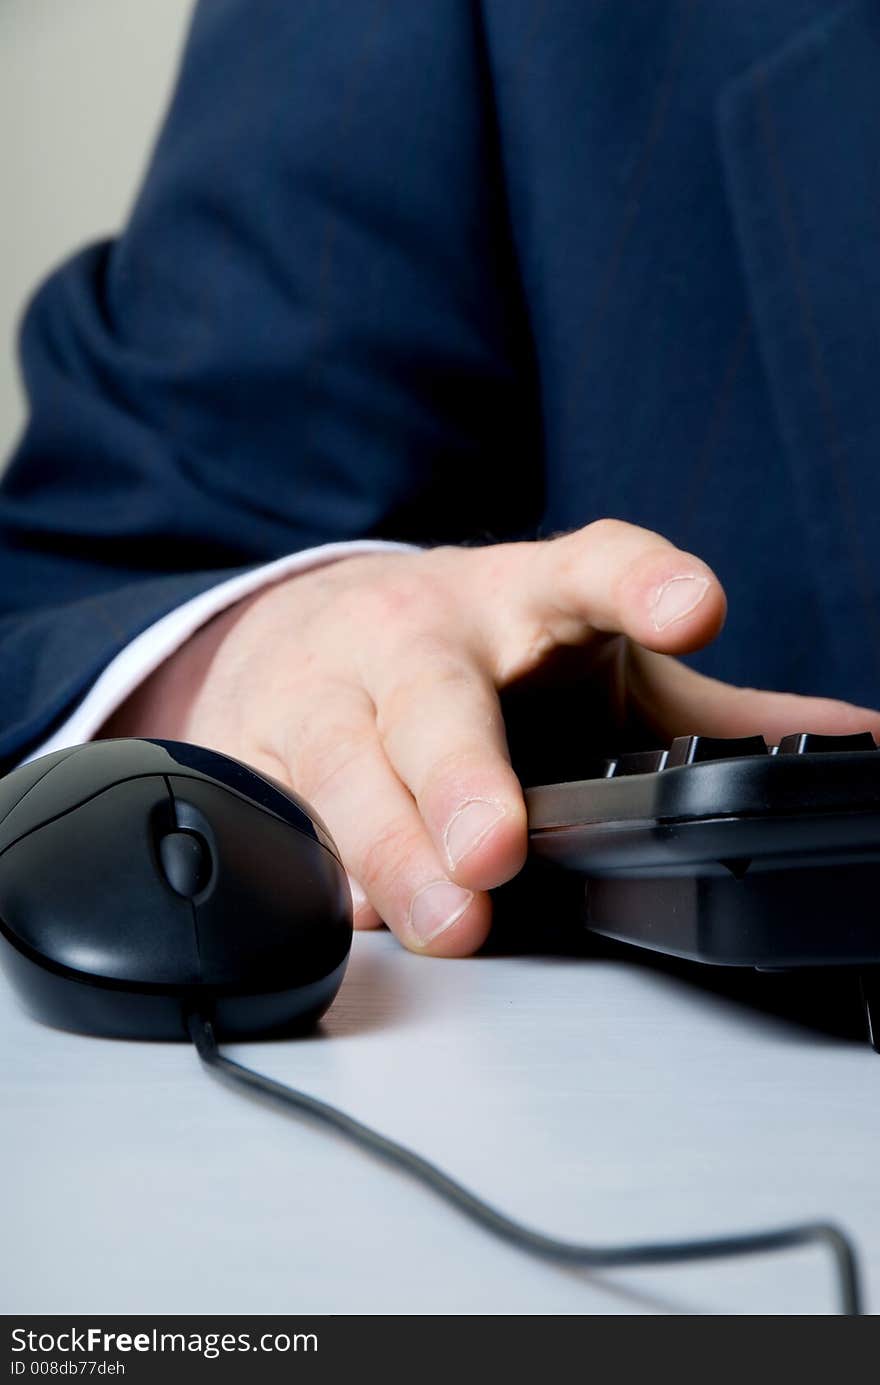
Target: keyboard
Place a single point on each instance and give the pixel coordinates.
(731, 852)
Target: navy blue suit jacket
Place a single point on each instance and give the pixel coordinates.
(456, 270)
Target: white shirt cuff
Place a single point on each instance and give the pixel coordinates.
(154, 645)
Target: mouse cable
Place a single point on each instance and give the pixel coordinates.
(534, 1242)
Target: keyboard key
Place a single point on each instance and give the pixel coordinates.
(696, 750)
(811, 743)
(636, 762)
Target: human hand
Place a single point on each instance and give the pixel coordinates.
(371, 686)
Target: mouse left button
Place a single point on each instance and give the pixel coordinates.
(85, 892)
(71, 778)
(18, 783)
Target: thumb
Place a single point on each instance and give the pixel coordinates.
(608, 578)
(675, 700)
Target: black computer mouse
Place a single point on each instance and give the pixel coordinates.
(140, 879)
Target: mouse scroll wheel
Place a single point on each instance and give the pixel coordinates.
(186, 861)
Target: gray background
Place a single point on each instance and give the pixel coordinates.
(82, 87)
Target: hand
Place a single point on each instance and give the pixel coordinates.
(372, 687)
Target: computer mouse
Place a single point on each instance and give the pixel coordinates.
(140, 879)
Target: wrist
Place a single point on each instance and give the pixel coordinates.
(163, 705)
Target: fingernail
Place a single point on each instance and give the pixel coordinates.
(358, 898)
(676, 598)
(467, 828)
(436, 907)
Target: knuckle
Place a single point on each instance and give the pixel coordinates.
(605, 531)
(611, 541)
(457, 774)
(431, 670)
(403, 596)
(387, 856)
(332, 749)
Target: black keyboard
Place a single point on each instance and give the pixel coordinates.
(729, 851)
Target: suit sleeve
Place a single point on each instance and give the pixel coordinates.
(311, 330)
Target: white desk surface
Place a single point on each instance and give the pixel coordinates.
(593, 1098)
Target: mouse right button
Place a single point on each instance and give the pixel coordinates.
(276, 910)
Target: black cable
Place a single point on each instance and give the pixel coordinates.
(562, 1252)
